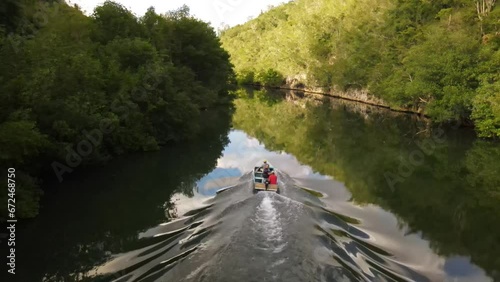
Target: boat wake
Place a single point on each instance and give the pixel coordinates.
(241, 236)
(267, 225)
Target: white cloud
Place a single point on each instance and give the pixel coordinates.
(244, 152)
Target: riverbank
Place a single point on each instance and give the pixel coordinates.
(355, 95)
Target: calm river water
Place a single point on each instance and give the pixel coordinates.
(366, 195)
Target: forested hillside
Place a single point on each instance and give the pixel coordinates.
(438, 56)
(77, 90)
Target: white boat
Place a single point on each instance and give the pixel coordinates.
(260, 183)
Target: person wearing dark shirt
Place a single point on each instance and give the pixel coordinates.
(265, 173)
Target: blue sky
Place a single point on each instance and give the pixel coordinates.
(217, 12)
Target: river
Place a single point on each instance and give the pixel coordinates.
(366, 194)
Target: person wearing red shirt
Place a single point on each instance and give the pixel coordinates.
(273, 179)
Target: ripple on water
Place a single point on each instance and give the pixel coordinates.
(239, 234)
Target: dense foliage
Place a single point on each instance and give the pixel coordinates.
(439, 56)
(134, 188)
(443, 195)
(78, 90)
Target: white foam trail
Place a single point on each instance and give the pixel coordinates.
(268, 224)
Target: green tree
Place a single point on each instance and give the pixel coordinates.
(423, 55)
(149, 78)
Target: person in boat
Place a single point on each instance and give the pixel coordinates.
(265, 173)
(263, 167)
(273, 179)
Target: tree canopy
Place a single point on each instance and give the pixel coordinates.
(77, 90)
(438, 56)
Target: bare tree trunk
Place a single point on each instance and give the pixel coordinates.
(483, 8)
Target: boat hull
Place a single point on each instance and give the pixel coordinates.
(262, 187)
(259, 182)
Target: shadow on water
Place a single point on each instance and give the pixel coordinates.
(97, 213)
(355, 205)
